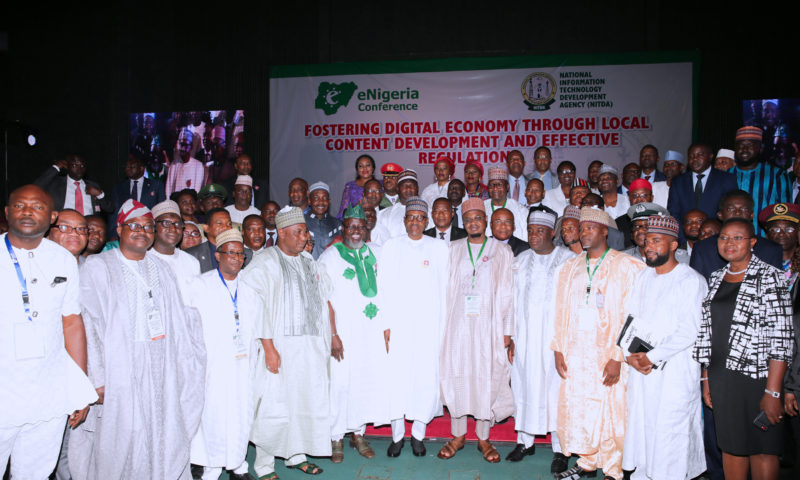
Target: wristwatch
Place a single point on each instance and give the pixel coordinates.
(771, 393)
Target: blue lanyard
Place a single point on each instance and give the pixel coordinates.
(22, 283)
(234, 300)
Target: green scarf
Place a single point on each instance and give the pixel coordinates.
(364, 268)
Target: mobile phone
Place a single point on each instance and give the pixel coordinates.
(762, 422)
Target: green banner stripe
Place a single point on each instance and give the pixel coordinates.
(482, 63)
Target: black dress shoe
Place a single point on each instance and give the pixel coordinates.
(240, 476)
(395, 448)
(520, 452)
(197, 471)
(575, 473)
(560, 463)
(418, 447)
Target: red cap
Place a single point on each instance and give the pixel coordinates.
(445, 158)
(477, 163)
(640, 183)
(391, 170)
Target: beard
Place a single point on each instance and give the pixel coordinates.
(353, 245)
(475, 235)
(658, 261)
(573, 242)
(692, 238)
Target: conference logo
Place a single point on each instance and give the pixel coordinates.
(539, 91)
(332, 96)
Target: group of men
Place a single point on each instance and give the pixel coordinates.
(291, 329)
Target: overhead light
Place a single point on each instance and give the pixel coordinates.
(31, 140)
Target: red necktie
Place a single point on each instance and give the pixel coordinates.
(270, 242)
(78, 198)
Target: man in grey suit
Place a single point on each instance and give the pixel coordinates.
(217, 221)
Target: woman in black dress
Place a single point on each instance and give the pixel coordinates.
(745, 344)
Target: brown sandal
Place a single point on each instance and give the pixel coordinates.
(490, 454)
(450, 448)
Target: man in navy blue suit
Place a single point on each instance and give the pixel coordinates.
(648, 163)
(148, 191)
(701, 187)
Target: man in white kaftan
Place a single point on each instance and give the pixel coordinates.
(229, 310)
(534, 381)
(359, 379)
(390, 220)
(414, 271)
(664, 431)
(146, 354)
(291, 393)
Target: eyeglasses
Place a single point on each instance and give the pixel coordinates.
(566, 172)
(417, 218)
(170, 224)
(191, 233)
(135, 227)
(725, 238)
(63, 228)
(639, 196)
(476, 218)
(738, 210)
(232, 254)
(782, 229)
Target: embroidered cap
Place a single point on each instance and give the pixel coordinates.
(288, 216)
(594, 214)
(749, 133)
(167, 206)
(354, 211)
(231, 235)
(319, 186)
(571, 211)
(498, 172)
(664, 224)
(725, 153)
(415, 204)
(407, 175)
(473, 203)
(244, 180)
(539, 217)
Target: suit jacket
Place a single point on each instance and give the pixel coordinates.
(706, 260)
(657, 176)
(625, 226)
(152, 193)
(455, 233)
(55, 183)
(202, 253)
(681, 194)
(260, 191)
(517, 245)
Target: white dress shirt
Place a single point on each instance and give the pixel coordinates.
(69, 198)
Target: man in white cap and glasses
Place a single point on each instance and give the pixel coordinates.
(474, 367)
(169, 233)
(146, 358)
(591, 297)
(674, 165)
(615, 203)
(390, 220)
(185, 171)
(242, 199)
(534, 380)
(663, 432)
(322, 226)
(230, 311)
(292, 416)
(414, 274)
(498, 198)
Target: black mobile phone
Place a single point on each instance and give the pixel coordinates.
(761, 421)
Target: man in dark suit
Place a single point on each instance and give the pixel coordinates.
(701, 187)
(444, 228)
(648, 161)
(148, 192)
(73, 190)
(503, 229)
(243, 166)
(217, 221)
(705, 254)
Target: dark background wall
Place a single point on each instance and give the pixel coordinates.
(75, 73)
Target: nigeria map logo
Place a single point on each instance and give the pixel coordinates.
(331, 96)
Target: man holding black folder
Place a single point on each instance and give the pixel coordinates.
(664, 431)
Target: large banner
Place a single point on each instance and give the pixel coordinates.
(322, 117)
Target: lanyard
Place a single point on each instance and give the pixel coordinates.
(234, 300)
(22, 282)
(591, 274)
(492, 204)
(471, 259)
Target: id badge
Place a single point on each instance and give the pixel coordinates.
(28, 341)
(155, 326)
(599, 300)
(472, 306)
(240, 347)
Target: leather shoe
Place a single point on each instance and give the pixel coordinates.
(560, 463)
(395, 448)
(197, 471)
(417, 447)
(240, 476)
(520, 452)
(575, 473)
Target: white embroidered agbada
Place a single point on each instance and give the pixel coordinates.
(221, 440)
(534, 380)
(391, 221)
(359, 382)
(184, 266)
(292, 406)
(153, 388)
(664, 431)
(413, 276)
(474, 364)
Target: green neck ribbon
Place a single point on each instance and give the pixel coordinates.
(364, 267)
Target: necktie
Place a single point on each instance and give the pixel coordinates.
(78, 198)
(454, 221)
(698, 189)
(647, 177)
(270, 241)
(441, 235)
(515, 195)
(135, 190)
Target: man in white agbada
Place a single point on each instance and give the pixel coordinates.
(229, 310)
(534, 381)
(664, 431)
(359, 377)
(169, 232)
(291, 393)
(498, 198)
(390, 220)
(43, 383)
(146, 358)
(414, 272)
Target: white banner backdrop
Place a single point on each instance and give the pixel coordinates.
(320, 124)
